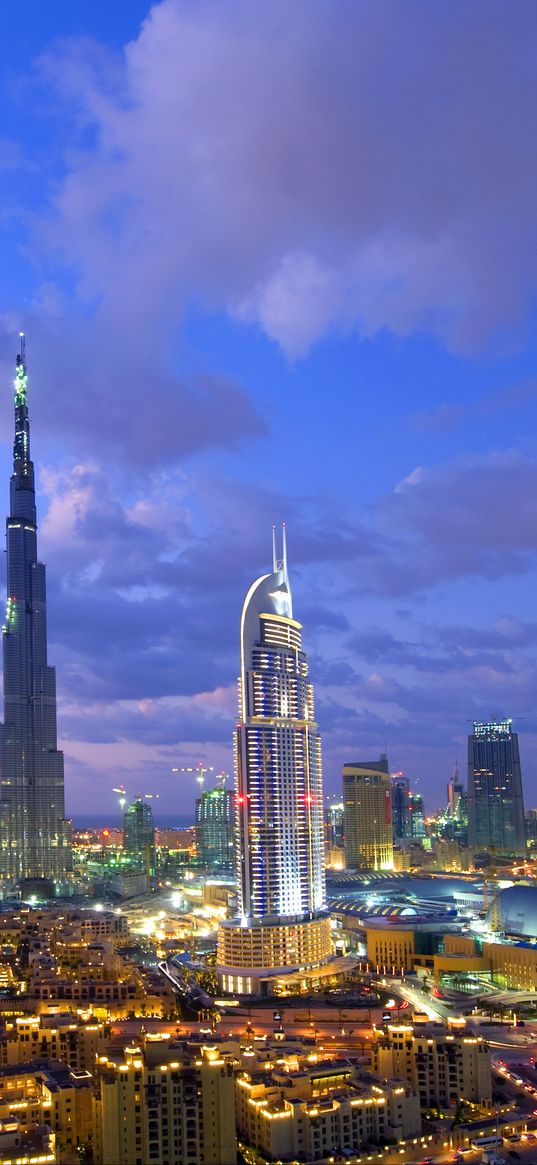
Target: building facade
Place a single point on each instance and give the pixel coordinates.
(367, 797)
(495, 801)
(283, 925)
(34, 835)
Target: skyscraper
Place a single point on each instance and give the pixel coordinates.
(400, 812)
(283, 928)
(139, 833)
(415, 813)
(367, 797)
(215, 829)
(34, 835)
(455, 823)
(495, 802)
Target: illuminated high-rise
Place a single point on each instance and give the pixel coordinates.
(34, 836)
(367, 796)
(495, 802)
(283, 928)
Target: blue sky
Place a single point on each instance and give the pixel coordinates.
(276, 263)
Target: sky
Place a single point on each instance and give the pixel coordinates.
(276, 263)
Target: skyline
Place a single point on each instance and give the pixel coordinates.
(236, 317)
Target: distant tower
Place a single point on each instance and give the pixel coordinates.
(139, 833)
(215, 829)
(34, 835)
(283, 927)
(456, 816)
(455, 790)
(495, 802)
(367, 796)
(400, 806)
(335, 824)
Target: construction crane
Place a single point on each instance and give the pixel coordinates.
(121, 790)
(199, 769)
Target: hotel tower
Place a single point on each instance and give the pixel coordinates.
(34, 837)
(282, 935)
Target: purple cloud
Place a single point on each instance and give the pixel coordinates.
(306, 169)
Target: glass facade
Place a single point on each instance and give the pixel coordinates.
(495, 802)
(34, 835)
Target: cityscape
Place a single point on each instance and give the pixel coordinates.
(289, 977)
(268, 811)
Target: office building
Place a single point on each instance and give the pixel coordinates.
(400, 813)
(215, 829)
(441, 1066)
(34, 835)
(139, 834)
(495, 801)
(367, 797)
(283, 929)
(164, 1104)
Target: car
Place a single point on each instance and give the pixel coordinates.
(513, 1153)
(457, 1157)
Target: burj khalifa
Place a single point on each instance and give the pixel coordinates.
(34, 835)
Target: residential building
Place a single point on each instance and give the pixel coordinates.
(312, 1111)
(441, 1066)
(165, 1104)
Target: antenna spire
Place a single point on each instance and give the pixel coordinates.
(22, 353)
(284, 549)
(274, 563)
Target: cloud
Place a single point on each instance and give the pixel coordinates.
(309, 169)
(473, 517)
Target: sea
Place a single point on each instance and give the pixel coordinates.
(114, 821)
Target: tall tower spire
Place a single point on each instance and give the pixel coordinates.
(34, 839)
